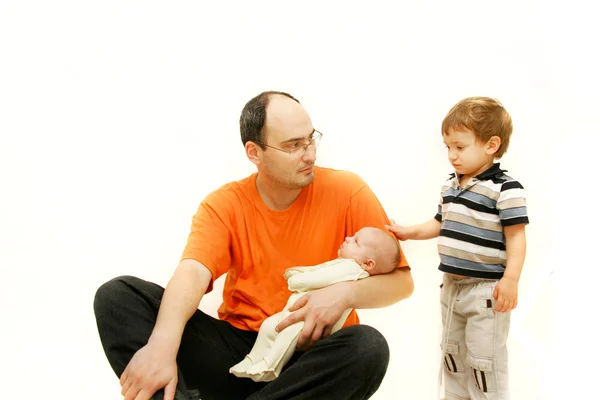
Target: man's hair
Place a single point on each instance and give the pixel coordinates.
(485, 116)
(254, 113)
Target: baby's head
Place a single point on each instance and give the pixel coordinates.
(376, 250)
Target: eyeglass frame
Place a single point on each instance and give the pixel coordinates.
(305, 146)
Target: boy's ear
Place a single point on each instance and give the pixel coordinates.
(369, 264)
(493, 145)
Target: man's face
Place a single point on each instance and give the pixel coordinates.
(288, 128)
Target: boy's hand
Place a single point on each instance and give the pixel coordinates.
(506, 294)
(401, 232)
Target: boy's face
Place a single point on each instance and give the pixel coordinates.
(360, 247)
(467, 154)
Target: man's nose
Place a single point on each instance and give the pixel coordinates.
(310, 154)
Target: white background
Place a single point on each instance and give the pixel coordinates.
(118, 117)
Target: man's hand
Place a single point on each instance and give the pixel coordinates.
(320, 310)
(506, 294)
(149, 371)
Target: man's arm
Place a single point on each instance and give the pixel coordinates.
(180, 300)
(154, 366)
(380, 290)
(321, 308)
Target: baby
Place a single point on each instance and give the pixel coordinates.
(370, 251)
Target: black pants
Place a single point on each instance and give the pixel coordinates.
(349, 364)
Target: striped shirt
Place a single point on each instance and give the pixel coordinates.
(471, 241)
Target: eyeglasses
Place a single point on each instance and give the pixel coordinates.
(298, 147)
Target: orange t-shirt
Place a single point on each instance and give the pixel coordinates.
(234, 232)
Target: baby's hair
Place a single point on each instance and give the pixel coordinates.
(394, 256)
(485, 116)
(389, 258)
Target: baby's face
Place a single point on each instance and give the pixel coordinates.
(358, 247)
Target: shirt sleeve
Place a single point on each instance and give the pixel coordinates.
(512, 205)
(365, 210)
(209, 238)
(439, 216)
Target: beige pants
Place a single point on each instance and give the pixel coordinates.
(474, 354)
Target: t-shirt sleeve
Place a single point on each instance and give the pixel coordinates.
(438, 215)
(512, 205)
(365, 210)
(209, 238)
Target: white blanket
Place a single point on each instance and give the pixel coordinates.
(272, 350)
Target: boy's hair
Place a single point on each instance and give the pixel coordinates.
(485, 116)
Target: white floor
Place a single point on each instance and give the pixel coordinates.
(57, 345)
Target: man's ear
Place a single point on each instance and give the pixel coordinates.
(369, 264)
(253, 152)
(493, 145)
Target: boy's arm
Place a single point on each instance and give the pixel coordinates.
(513, 215)
(506, 290)
(427, 230)
(515, 251)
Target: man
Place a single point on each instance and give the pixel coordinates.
(289, 213)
